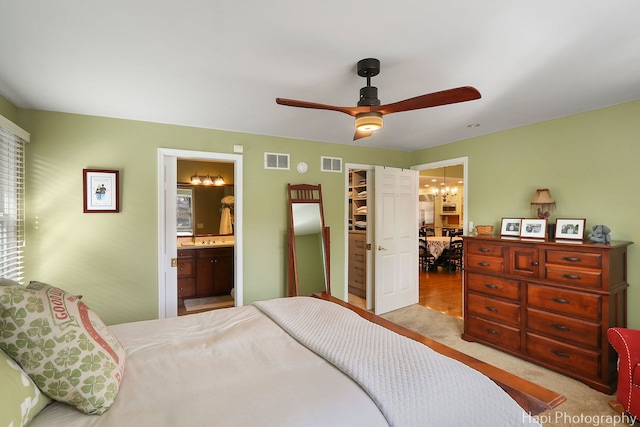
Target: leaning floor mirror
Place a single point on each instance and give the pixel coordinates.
(308, 241)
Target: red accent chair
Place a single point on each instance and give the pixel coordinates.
(627, 343)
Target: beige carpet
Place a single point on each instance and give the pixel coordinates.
(207, 303)
(583, 407)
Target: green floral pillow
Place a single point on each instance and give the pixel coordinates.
(61, 344)
(20, 399)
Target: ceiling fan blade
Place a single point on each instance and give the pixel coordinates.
(449, 96)
(352, 111)
(361, 134)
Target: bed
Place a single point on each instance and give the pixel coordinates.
(299, 361)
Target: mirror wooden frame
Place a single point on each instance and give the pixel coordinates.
(305, 194)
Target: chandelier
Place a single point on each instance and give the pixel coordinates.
(445, 191)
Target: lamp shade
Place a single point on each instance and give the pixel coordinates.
(543, 197)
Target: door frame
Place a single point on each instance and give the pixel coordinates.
(465, 167)
(168, 289)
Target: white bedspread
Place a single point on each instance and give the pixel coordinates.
(231, 367)
(237, 367)
(412, 384)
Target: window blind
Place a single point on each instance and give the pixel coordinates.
(12, 236)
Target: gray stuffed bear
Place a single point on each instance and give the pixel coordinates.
(600, 234)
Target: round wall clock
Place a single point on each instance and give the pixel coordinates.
(302, 167)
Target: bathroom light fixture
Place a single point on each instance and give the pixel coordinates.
(195, 179)
(369, 122)
(218, 180)
(207, 180)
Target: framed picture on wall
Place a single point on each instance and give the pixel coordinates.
(510, 226)
(570, 228)
(533, 228)
(101, 192)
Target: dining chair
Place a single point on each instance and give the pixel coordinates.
(427, 260)
(454, 254)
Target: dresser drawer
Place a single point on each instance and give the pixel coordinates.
(566, 329)
(485, 263)
(574, 259)
(489, 308)
(492, 285)
(357, 270)
(186, 267)
(494, 332)
(358, 240)
(586, 278)
(563, 301)
(485, 249)
(572, 359)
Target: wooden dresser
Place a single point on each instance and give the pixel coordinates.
(548, 302)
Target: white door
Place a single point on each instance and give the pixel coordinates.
(396, 238)
(167, 271)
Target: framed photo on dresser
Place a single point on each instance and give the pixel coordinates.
(533, 228)
(510, 227)
(570, 228)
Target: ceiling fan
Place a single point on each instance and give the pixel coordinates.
(369, 112)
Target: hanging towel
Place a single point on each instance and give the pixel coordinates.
(225, 221)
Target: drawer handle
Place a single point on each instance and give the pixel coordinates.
(571, 259)
(572, 276)
(493, 309)
(491, 331)
(559, 353)
(490, 286)
(560, 327)
(484, 250)
(560, 300)
(484, 264)
(535, 263)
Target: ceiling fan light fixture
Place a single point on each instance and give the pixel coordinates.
(369, 122)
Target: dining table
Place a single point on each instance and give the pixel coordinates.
(437, 244)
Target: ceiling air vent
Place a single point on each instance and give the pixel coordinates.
(331, 164)
(276, 161)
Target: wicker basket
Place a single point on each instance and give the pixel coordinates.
(484, 229)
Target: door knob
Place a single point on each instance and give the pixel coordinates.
(380, 248)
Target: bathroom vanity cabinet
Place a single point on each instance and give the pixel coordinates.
(205, 272)
(214, 271)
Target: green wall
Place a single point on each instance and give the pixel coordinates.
(111, 259)
(589, 161)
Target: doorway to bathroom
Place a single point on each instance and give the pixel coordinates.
(205, 217)
(169, 242)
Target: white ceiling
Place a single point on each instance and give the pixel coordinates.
(221, 64)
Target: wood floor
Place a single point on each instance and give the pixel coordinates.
(439, 291)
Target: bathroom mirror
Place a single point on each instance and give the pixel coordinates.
(204, 210)
(308, 241)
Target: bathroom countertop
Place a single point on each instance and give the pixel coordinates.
(206, 245)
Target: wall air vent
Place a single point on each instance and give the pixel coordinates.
(330, 164)
(276, 161)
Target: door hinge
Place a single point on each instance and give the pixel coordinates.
(174, 262)
(368, 246)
